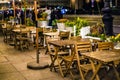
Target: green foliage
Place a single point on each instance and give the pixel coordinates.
(29, 22)
(69, 23)
(79, 23)
(102, 37)
(54, 22)
(7, 19)
(115, 38)
(44, 15)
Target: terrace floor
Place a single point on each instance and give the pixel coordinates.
(13, 65)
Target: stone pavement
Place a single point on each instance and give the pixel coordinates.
(13, 65)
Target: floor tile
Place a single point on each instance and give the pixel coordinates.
(11, 76)
(7, 67)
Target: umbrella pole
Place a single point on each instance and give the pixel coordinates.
(37, 64)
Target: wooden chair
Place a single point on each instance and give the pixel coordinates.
(54, 55)
(64, 35)
(7, 32)
(22, 40)
(80, 47)
(76, 38)
(105, 45)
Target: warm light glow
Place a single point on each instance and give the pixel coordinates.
(87, 1)
(73, 1)
(97, 0)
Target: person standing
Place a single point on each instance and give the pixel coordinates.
(48, 11)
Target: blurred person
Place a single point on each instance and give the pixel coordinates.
(48, 11)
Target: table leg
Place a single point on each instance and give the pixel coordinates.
(59, 67)
(44, 43)
(116, 72)
(53, 61)
(95, 70)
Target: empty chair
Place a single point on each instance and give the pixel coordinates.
(76, 38)
(7, 32)
(105, 45)
(80, 47)
(64, 35)
(22, 40)
(55, 54)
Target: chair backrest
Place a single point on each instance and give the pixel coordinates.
(76, 38)
(64, 35)
(105, 45)
(50, 48)
(23, 34)
(83, 46)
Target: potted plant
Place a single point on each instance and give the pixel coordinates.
(42, 22)
(116, 40)
(61, 24)
(77, 24)
(81, 23)
(29, 22)
(70, 25)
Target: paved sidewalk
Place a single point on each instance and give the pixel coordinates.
(13, 65)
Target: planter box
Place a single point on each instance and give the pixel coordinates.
(72, 30)
(90, 37)
(61, 26)
(84, 31)
(42, 23)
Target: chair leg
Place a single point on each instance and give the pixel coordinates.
(68, 70)
(21, 47)
(52, 64)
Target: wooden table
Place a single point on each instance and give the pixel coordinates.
(103, 57)
(58, 44)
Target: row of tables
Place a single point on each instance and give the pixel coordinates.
(102, 57)
(31, 31)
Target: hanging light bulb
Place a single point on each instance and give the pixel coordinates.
(87, 1)
(97, 0)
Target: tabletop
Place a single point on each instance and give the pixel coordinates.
(61, 43)
(104, 56)
(51, 33)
